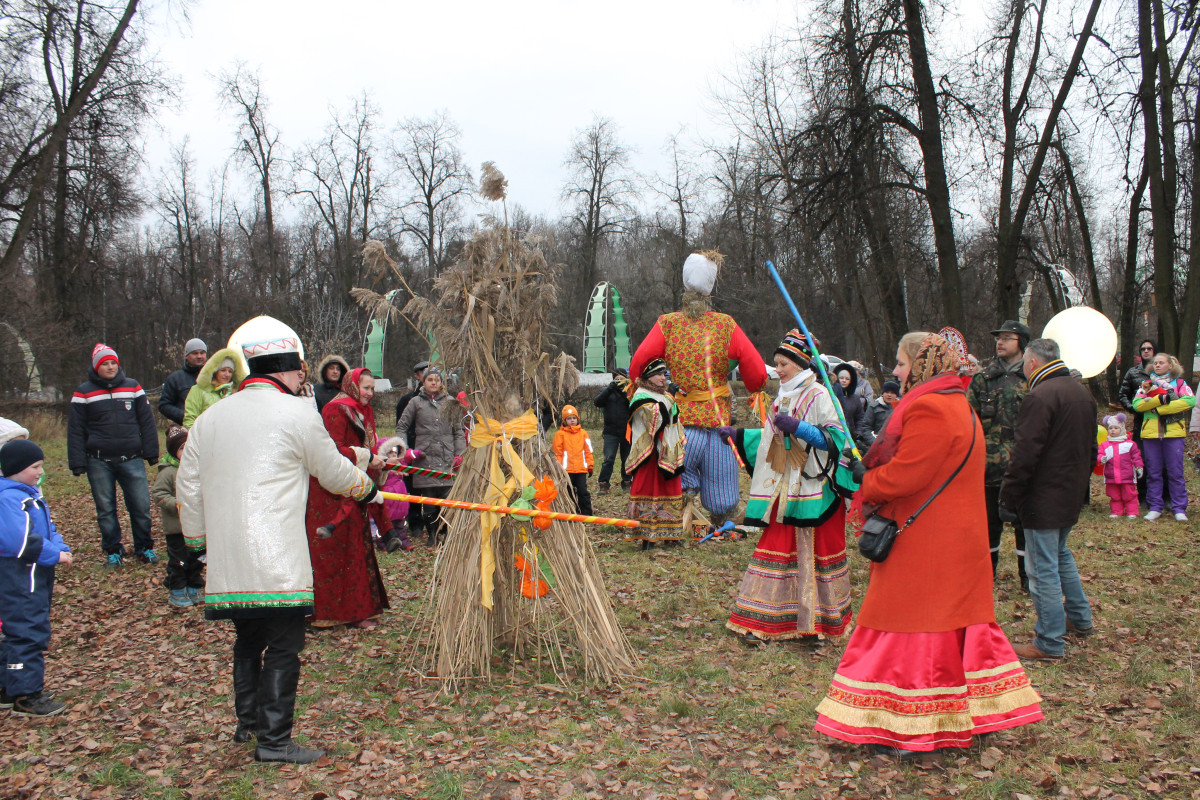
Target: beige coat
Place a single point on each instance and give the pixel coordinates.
(243, 487)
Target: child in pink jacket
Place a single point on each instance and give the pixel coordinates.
(1122, 467)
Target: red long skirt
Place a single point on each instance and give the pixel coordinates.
(656, 501)
(926, 691)
(797, 584)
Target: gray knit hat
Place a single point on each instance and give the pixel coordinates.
(193, 345)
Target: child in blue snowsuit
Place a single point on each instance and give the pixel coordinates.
(30, 548)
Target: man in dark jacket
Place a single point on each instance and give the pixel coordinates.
(996, 392)
(615, 403)
(111, 436)
(1047, 479)
(1133, 380)
(416, 517)
(405, 399)
(177, 385)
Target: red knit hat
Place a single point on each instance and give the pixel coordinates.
(101, 353)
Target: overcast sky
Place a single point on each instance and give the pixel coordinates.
(519, 78)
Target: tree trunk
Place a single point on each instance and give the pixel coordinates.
(1161, 215)
(937, 187)
(1190, 316)
(1129, 287)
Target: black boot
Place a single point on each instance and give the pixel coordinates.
(277, 704)
(245, 697)
(1024, 576)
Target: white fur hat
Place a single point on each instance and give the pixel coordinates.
(700, 273)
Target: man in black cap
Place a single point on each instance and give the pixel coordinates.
(996, 393)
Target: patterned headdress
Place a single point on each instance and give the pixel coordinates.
(934, 357)
(268, 345)
(795, 347)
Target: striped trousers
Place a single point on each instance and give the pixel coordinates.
(709, 467)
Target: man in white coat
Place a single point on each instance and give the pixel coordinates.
(242, 488)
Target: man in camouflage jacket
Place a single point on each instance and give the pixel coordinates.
(996, 394)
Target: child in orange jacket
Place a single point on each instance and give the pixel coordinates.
(573, 448)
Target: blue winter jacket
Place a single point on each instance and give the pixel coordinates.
(29, 542)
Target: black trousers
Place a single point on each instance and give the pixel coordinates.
(583, 498)
(275, 642)
(991, 496)
(184, 567)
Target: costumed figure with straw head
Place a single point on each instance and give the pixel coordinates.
(656, 455)
(700, 346)
(530, 586)
(798, 581)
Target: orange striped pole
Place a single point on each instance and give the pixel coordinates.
(523, 512)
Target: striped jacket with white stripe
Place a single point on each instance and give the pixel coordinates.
(110, 420)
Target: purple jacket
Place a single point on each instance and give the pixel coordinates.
(1124, 458)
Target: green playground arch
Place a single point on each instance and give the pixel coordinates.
(596, 330)
(375, 342)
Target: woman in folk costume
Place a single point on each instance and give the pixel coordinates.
(655, 458)
(347, 586)
(927, 667)
(700, 347)
(798, 581)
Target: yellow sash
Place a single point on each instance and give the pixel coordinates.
(498, 436)
(703, 395)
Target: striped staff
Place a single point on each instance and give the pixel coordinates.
(816, 360)
(409, 469)
(521, 512)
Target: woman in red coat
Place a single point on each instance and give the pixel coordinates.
(347, 586)
(927, 667)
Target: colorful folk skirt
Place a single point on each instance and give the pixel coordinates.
(926, 691)
(656, 502)
(797, 584)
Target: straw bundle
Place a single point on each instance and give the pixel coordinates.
(488, 314)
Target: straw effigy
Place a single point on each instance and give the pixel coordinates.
(488, 313)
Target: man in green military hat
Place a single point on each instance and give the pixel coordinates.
(996, 393)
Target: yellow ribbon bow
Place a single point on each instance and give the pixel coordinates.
(498, 436)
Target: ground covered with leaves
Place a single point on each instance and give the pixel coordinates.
(150, 709)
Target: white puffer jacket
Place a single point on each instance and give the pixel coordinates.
(242, 489)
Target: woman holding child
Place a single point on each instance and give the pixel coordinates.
(347, 586)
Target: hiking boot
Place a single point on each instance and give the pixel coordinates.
(37, 705)
(113, 561)
(148, 556)
(193, 593)
(6, 700)
(290, 753)
(626, 485)
(1079, 633)
(603, 487)
(1031, 652)
(179, 598)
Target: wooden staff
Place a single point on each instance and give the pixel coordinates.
(523, 512)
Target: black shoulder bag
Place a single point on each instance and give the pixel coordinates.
(879, 533)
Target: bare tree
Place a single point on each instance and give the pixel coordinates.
(437, 181)
(680, 188)
(600, 189)
(77, 42)
(241, 93)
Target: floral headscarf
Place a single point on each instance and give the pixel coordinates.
(351, 399)
(934, 357)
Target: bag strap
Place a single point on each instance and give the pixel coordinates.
(953, 475)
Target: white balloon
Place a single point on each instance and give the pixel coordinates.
(1086, 337)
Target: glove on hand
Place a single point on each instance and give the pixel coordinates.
(78, 472)
(1104, 459)
(412, 455)
(858, 471)
(1137, 473)
(1007, 515)
(456, 463)
(805, 431)
(1169, 397)
(786, 423)
(725, 433)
